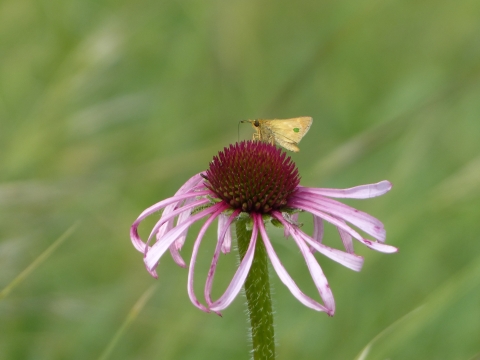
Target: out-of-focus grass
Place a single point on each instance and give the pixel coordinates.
(108, 107)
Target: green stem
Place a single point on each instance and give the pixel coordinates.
(257, 290)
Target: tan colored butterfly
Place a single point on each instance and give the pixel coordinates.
(284, 132)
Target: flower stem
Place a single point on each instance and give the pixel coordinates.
(257, 290)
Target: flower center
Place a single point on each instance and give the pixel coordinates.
(253, 176)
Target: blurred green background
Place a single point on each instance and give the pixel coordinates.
(107, 107)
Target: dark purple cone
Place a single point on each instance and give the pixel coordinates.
(253, 176)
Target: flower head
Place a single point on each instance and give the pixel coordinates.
(258, 180)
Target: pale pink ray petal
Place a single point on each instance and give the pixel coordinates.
(227, 237)
(136, 240)
(283, 274)
(227, 243)
(371, 244)
(170, 208)
(153, 273)
(178, 244)
(318, 228)
(219, 208)
(346, 239)
(221, 238)
(350, 261)
(181, 218)
(174, 213)
(191, 184)
(174, 199)
(158, 249)
(176, 256)
(317, 275)
(362, 220)
(357, 192)
(240, 275)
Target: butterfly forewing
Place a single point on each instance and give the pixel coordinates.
(292, 130)
(284, 132)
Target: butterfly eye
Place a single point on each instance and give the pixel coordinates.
(256, 123)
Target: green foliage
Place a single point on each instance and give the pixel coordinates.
(108, 107)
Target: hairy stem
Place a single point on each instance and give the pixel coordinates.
(257, 290)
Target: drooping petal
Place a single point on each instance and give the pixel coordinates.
(189, 186)
(362, 220)
(221, 238)
(191, 270)
(240, 275)
(346, 239)
(174, 199)
(371, 244)
(282, 272)
(357, 192)
(317, 275)
(181, 218)
(350, 261)
(176, 256)
(158, 249)
(174, 213)
(178, 244)
(136, 240)
(318, 228)
(227, 235)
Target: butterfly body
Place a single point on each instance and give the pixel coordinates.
(285, 132)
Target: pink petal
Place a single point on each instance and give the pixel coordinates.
(176, 256)
(164, 220)
(191, 184)
(318, 276)
(346, 239)
(350, 261)
(227, 237)
(158, 249)
(362, 220)
(240, 275)
(136, 240)
(174, 248)
(174, 199)
(219, 208)
(221, 237)
(317, 229)
(283, 274)
(357, 192)
(339, 224)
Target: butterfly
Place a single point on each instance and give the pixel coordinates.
(285, 132)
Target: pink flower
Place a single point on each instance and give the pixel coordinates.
(258, 180)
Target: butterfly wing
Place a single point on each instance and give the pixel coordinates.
(286, 132)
